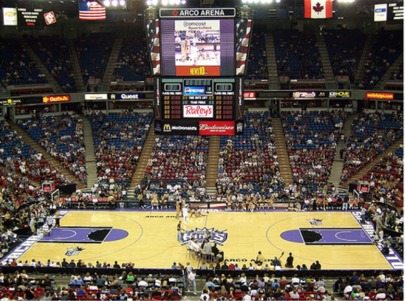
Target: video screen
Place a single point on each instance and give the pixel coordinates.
(197, 47)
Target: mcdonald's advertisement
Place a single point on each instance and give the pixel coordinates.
(198, 127)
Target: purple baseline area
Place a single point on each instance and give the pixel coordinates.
(292, 236)
(342, 236)
(116, 234)
(81, 235)
(330, 236)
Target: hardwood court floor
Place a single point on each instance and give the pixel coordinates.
(151, 239)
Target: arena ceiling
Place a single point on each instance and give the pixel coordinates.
(69, 8)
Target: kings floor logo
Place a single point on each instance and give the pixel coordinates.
(201, 234)
(73, 251)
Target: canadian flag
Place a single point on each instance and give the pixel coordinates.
(318, 9)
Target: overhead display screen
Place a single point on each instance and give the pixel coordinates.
(197, 47)
(31, 17)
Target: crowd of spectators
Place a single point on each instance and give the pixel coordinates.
(104, 194)
(127, 285)
(118, 141)
(175, 170)
(178, 157)
(386, 180)
(257, 60)
(23, 208)
(22, 286)
(20, 158)
(266, 287)
(62, 137)
(345, 47)
(297, 55)
(379, 287)
(387, 46)
(132, 63)
(54, 53)
(372, 133)
(247, 165)
(90, 286)
(16, 67)
(311, 139)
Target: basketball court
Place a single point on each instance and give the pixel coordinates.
(150, 239)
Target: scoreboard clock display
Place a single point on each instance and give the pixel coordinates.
(198, 99)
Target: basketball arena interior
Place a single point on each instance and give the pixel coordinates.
(201, 150)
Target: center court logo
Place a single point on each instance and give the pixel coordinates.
(200, 234)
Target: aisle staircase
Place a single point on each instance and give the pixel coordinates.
(54, 163)
(274, 82)
(362, 172)
(361, 67)
(212, 164)
(77, 72)
(112, 62)
(337, 166)
(144, 158)
(399, 61)
(41, 67)
(327, 67)
(90, 156)
(282, 152)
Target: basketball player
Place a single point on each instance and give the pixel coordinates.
(185, 213)
(178, 208)
(194, 50)
(183, 49)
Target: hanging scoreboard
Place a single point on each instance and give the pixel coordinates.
(193, 54)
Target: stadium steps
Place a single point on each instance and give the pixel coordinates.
(362, 172)
(49, 77)
(112, 62)
(282, 153)
(337, 165)
(144, 158)
(274, 82)
(53, 162)
(327, 67)
(77, 72)
(399, 61)
(360, 67)
(212, 163)
(90, 156)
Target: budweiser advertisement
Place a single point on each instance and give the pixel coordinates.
(217, 128)
(198, 111)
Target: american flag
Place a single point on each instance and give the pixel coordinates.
(154, 45)
(91, 10)
(243, 34)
